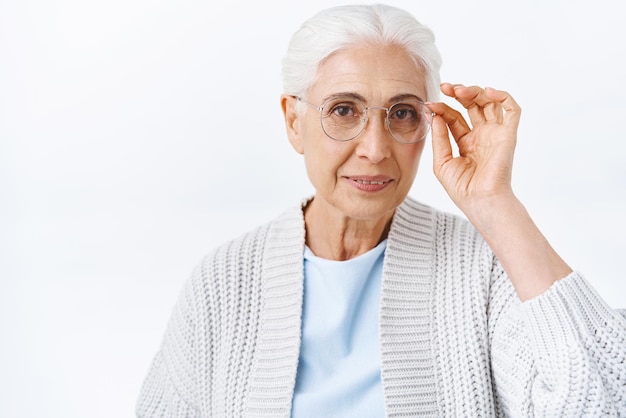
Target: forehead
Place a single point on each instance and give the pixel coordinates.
(375, 72)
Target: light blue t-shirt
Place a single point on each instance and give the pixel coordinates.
(339, 366)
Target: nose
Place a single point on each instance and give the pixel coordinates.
(375, 142)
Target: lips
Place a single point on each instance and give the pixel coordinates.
(369, 183)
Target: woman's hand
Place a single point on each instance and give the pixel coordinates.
(482, 169)
(479, 182)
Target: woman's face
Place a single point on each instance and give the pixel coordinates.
(367, 177)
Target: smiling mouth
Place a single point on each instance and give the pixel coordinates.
(371, 182)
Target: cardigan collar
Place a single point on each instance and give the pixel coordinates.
(404, 311)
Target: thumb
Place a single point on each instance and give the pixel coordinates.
(442, 148)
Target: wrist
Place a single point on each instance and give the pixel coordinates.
(494, 210)
(530, 262)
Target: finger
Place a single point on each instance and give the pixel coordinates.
(489, 99)
(512, 110)
(491, 108)
(451, 118)
(442, 148)
(448, 88)
(466, 97)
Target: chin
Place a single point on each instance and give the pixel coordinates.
(369, 210)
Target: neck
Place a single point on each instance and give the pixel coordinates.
(334, 236)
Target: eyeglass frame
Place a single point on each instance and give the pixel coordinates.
(320, 109)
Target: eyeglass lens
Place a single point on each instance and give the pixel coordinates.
(345, 118)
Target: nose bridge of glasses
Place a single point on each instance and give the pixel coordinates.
(385, 109)
(384, 120)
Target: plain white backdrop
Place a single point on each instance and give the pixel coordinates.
(137, 135)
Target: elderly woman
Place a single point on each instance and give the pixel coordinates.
(362, 302)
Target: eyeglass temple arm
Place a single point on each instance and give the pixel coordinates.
(300, 99)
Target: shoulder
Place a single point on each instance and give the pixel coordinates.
(233, 275)
(446, 228)
(457, 251)
(252, 247)
(443, 245)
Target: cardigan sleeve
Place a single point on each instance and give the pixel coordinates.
(168, 389)
(562, 353)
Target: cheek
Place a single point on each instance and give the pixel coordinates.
(323, 158)
(409, 159)
(317, 159)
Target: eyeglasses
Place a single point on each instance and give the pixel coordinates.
(344, 118)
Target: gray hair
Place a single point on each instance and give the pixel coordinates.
(339, 27)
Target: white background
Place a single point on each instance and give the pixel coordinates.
(137, 135)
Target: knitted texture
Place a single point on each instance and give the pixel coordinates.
(455, 338)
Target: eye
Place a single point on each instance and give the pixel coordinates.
(342, 109)
(404, 112)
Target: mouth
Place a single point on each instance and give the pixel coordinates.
(369, 183)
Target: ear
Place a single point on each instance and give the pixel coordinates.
(292, 122)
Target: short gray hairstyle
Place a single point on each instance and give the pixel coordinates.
(339, 27)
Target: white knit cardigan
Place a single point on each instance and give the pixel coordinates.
(455, 339)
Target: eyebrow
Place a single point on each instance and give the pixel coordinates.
(400, 97)
(344, 95)
(351, 95)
